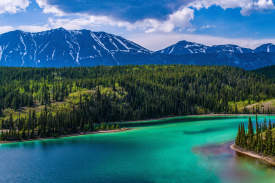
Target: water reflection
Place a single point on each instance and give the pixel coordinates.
(235, 167)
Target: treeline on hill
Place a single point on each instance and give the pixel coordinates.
(267, 71)
(262, 141)
(83, 98)
(47, 124)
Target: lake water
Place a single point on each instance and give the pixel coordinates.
(178, 150)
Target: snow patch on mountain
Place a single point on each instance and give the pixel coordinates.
(266, 48)
(64, 48)
(185, 47)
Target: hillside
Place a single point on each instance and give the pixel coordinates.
(267, 71)
(262, 106)
(151, 91)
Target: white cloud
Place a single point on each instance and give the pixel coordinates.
(4, 29)
(13, 6)
(180, 19)
(207, 26)
(27, 28)
(246, 5)
(32, 28)
(264, 4)
(47, 8)
(86, 21)
(157, 41)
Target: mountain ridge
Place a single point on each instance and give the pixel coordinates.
(184, 45)
(72, 48)
(21, 48)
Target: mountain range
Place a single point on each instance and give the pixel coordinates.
(64, 48)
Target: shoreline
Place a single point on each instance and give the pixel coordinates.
(69, 135)
(195, 115)
(126, 129)
(213, 114)
(265, 159)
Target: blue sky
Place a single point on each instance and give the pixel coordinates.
(154, 24)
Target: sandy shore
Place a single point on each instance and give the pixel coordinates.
(70, 135)
(266, 159)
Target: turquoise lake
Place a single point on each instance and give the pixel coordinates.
(175, 150)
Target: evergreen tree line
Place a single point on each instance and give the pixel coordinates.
(121, 93)
(261, 140)
(267, 71)
(47, 124)
(173, 89)
(89, 114)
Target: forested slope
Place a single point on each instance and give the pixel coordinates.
(51, 102)
(267, 71)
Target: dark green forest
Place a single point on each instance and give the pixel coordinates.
(260, 140)
(37, 102)
(267, 71)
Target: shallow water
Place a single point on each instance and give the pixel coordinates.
(194, 149)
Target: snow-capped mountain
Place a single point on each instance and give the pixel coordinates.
(232, 55)
(60, 47)
(266, 48)
(228, 49)
(64, 48)
(184, 47)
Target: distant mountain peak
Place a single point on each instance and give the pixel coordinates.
(60, 47)
(185, 42)
(229, 54)
(266, 48)
(58, 29)
(186, 47)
